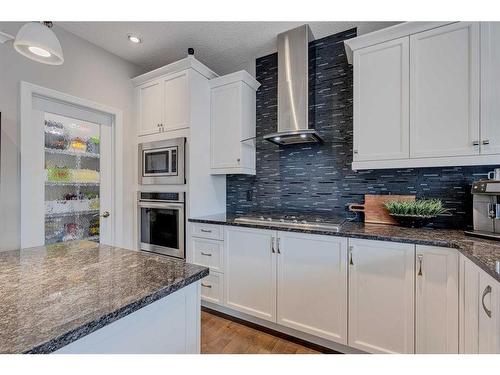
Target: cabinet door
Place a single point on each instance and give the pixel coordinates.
(312, 284)
(175, 101)
(381, 295)
(225, 126)
(489, 314)
(250, 271)
(150, 107)
(381, 100)
(469, 309)
(444, 91)
(436, 300)
(490, 88)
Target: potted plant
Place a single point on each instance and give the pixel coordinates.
(415, 213)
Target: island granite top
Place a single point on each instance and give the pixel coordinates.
(484, 253)
(53, 295)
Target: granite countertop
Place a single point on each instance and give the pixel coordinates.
(54, 295)
(482, 252)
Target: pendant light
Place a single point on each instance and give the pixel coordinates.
(37, 41)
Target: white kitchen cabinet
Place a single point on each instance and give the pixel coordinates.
(212, 288)
(444, 91)
(490, 88)
(149, 103)
(381, 296)
(489, 315)
(381, 104)
(479, 310)
(436, 328)
(250, 271)
(176, 102)
(232, 131)
(312, 284)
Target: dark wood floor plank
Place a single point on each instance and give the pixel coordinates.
(223, 336)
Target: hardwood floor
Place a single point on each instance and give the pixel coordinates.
(223, 336)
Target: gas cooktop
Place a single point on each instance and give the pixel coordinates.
(302, 221)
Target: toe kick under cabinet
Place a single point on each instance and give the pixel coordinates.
(369, 295)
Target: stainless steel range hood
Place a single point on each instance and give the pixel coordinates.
(293, 90)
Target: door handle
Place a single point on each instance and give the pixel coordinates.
(278, 245)
(206, 286)
(486, 291)
(105, 214)
(350, 256)
(272, 245)
(420, 259)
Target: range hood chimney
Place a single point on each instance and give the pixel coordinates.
(293, 89)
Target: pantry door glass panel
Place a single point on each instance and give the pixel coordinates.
(72, 179)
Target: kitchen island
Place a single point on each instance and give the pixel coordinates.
(83, 297)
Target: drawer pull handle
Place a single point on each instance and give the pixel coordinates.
(206, 285)
(486, 291)
(206, 230)
(206, 254)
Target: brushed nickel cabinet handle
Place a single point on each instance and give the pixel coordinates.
(206, 285)
(475, 143)
(486, 291)
(350, 256)
(278, 245)
(420, 259)
(486, 142)
(205, 231)
(272, 245)
(206, 254)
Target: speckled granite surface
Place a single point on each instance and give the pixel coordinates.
(54, 295)
(482, 252)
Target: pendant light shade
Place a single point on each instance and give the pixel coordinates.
(38, 42)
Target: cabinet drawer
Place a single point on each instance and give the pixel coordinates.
(211, 288)
(211, 231)
(207, 253)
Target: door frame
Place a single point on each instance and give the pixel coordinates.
(27, 91)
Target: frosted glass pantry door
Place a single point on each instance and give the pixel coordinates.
(66, 176)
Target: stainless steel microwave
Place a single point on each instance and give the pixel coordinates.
(162, 162)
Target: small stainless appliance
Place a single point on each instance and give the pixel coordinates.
(296, 220)
(162, 162)
(162, 223)
(486, 209)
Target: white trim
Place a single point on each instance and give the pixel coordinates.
(452, 161)
(240, 76)
(389, 33)
(187, 63)
(27, 90)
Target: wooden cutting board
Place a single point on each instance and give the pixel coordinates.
(374, 209)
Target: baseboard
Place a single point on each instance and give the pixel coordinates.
(301, 338)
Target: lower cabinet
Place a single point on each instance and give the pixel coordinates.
(250, 271)
(381, 296)
(312, 284)
(436, 324)
(480, 310)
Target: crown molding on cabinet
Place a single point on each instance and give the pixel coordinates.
(389, 33)
(240, 76)
(187, 63)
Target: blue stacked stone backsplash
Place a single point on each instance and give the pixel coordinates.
(318, 178)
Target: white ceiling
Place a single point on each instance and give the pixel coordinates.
(223, 46)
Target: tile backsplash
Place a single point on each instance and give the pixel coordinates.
(319, 178)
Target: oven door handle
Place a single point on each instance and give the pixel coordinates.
(175, 206)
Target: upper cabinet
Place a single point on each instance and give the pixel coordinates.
(424, 95)
(381, 84)
(490, 88)
(164, 97)
(444, 91)
(232, 129)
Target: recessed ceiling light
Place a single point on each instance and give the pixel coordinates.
(134, 38)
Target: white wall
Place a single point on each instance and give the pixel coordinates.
(88, 72)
